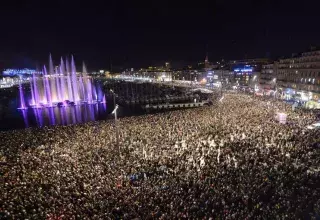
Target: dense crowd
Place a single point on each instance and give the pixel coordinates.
(232, 160)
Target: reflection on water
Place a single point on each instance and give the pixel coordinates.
(63, 115)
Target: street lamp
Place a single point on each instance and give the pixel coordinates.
(255, 85)
(114, 112)
(191, 73)
(275, 89)
(114, 97)
(221, 84)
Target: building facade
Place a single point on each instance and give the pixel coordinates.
(247, 72)
(301, 72)
(267, 78)
(298, 74)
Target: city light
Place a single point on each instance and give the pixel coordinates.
(304, 97)
(132, 78)
(218, 84)
(203, 81)
(25, 71)
(8, 82)
(243, 70)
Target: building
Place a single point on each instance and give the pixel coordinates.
(267, 78)
(206, 63)
(298, 76)
(301, 72)
(247, 72)
(167, 66)
(257, 62)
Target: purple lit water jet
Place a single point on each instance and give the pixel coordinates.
(22, 101)
(53, 88)
(82, 88)
(36, 92)
(74, 81)
(64, 93)
(47, 87)
(32, 101)
(89, 90)
(58, 84)
(69, 81)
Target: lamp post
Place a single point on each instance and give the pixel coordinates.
(114, 112)
(275, 88)
(114, 97)
(254, 88)
(221, 84)
(191, 79)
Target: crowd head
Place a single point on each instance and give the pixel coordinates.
(231, 160)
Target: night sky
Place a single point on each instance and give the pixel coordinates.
(143, 33)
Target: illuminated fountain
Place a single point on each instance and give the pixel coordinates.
(61, 86)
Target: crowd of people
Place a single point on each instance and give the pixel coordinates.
(231, 160)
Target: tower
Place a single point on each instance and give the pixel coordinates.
(206, 61)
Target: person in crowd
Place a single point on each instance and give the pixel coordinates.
(231, 160)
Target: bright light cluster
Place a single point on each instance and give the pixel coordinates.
(132, 78)
(8, 82)
(25, 71)
(243, 70)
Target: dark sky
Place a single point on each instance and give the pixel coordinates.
(141, 33)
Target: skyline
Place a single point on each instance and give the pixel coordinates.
(148, 33)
